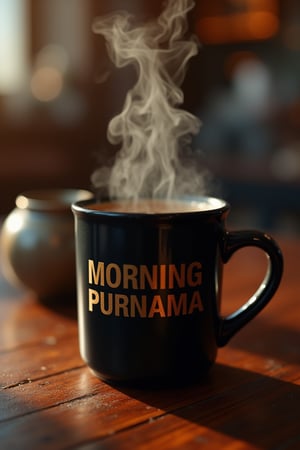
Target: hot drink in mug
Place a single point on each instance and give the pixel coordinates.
(149, 276)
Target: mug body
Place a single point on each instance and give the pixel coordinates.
(149, 289)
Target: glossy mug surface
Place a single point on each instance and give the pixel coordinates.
(149, 277)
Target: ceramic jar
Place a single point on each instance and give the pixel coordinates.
(37, 242)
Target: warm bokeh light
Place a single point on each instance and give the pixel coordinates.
(46, 83)
(53, 55)
(238, 27)
(262, 24)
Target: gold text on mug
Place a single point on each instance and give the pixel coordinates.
(122, 305)
(157, 276)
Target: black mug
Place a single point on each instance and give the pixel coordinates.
(149, 277)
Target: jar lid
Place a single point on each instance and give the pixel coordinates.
(51, 199)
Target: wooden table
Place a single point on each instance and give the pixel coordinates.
(250, 399)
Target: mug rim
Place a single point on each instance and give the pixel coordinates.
(219, 206)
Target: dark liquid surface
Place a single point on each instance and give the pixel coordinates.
(154, 206)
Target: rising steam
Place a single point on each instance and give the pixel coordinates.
(151, 129)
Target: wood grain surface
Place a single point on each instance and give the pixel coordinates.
(250, 399)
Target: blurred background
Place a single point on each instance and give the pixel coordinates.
(58, 91)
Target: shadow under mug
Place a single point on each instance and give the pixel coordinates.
(149, 289)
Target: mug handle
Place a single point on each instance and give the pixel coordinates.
(234, 241)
